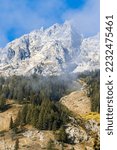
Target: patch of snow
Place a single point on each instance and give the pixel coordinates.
(57, 49)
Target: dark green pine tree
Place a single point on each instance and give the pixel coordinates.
(45, 120)
(16, 147)
(2, 102)
(28, 116)
(35, 116)
(11, 125)
(17, 121)
(54, 125)
(62, 136)
(40, 121)
(24, 114)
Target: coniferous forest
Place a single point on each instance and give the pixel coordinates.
(92, 79)
(33, 89)
(40, 97)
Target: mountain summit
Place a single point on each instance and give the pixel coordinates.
(57, 49)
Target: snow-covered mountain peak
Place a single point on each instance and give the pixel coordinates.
(45, 51)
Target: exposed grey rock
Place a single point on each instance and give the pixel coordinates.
(57, 49)
(76, 134)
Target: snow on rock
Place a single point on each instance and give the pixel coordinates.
(76, 134)
(57, 49)
(90, 54)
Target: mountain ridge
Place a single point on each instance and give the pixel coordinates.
(52, 51)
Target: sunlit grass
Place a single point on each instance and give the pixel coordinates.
(92, 115)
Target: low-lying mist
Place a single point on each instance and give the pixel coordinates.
(36, 88)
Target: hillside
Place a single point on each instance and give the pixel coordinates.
(77, 100)
(46, 102)
(29, 137)
(5, 116)
(82, 129)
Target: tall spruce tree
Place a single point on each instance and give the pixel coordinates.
(11, 125)
(16, 147)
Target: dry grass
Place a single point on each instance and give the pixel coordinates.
(6, 115)
(77, 102)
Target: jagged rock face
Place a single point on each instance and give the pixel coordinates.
(90, 54)
(92, 125)
(51, 51)
(76, 134)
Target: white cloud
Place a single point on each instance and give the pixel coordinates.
(25, 17)
(86, 20)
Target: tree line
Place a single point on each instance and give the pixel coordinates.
(92, 79)
(33, 89)
(48, 115)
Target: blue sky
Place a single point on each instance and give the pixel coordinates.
(18, 17)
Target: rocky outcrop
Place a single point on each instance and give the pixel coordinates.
(76, 134)
(83, 131)
(92, 125)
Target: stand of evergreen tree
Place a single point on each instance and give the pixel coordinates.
(33, 89)
(92, 79)
(39, 96)
(48, 115)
